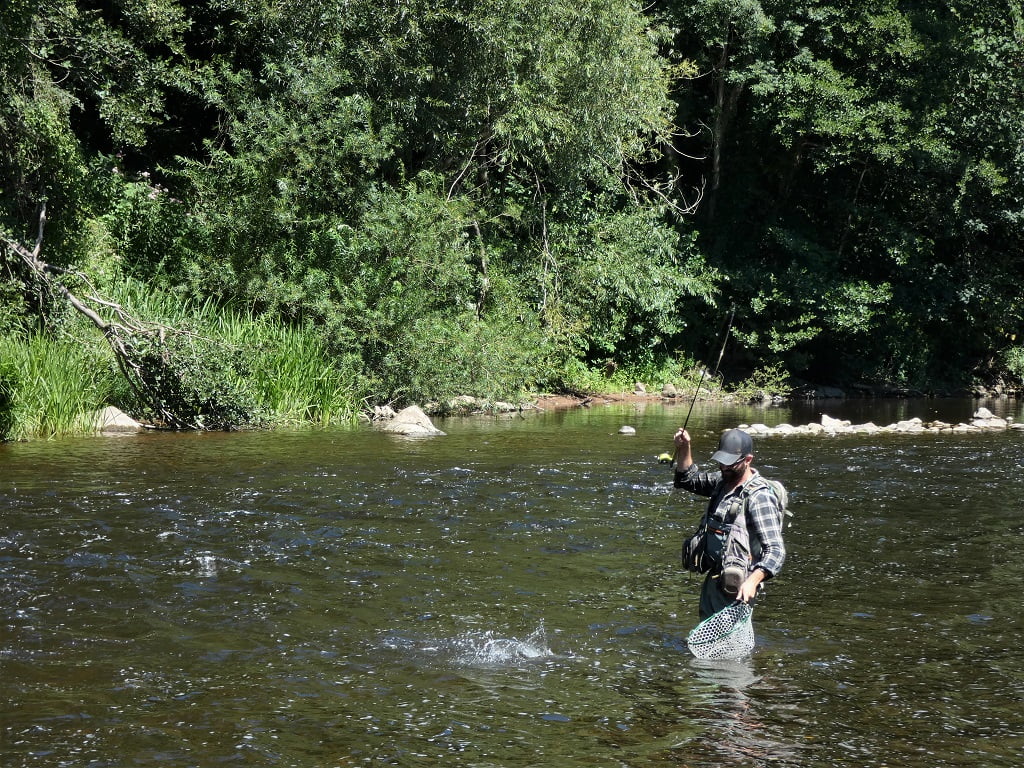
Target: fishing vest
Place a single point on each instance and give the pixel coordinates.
(722, 540)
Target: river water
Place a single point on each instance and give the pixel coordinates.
(506, 595)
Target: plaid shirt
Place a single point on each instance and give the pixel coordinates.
(763, 516)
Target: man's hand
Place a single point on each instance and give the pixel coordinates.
(748, 589)
(681, 439)
(684, 458)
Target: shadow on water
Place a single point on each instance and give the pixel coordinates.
(507, 595)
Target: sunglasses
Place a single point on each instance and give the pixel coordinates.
(734, 465)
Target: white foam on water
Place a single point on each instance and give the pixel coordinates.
(487, 650)
(476, 649)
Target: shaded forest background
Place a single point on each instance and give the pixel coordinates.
(411, 200)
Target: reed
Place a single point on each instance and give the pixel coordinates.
(150, 305)
(291, 371)
(288, 369)
(51, 387)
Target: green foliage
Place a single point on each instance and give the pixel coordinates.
(771, 381)
(573, 376)
(444, 356)
(615, 283)
(9, 386)
(193, 382)
(78, 80)
(490, 195)
(12, 304)
(685, 374)
(50, 388)
(571, 86)
(864, 155)
(142, 231)
(1013, 360)
(41, 161)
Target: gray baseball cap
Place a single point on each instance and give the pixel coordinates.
(733, 446)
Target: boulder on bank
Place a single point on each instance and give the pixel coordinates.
(411, 421)
(113, 420)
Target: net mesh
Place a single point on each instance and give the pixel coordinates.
(728, 634)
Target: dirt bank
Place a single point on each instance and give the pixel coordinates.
(555, 402)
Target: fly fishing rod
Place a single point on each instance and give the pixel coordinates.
(704, 370)
(668, 458)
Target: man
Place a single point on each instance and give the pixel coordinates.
(739, 494)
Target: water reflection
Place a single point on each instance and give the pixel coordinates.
(734, 707)
(732, 675)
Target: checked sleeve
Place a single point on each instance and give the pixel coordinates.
(764, 523)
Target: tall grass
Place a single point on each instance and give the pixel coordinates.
(292, 372)
(288, 369)
(51, 387)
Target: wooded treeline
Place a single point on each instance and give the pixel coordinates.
(486, 196)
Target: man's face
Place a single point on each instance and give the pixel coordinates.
(732, 471)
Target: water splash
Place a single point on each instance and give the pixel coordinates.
(486, 650)
(475, 649)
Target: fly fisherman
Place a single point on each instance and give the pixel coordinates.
(739, 544)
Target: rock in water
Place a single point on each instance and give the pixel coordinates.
(411, 421)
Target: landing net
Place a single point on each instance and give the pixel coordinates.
(728, 634)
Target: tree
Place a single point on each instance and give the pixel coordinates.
(840, 213)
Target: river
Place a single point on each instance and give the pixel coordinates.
(507, 595)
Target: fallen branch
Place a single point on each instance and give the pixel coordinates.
(147, 355)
